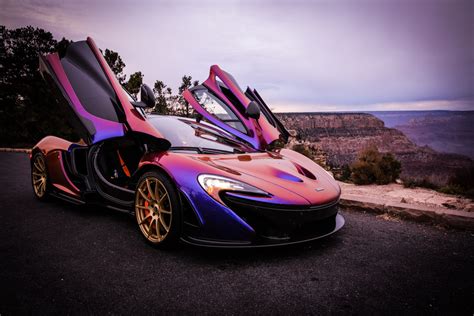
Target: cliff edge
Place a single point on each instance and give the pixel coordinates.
(341, 136)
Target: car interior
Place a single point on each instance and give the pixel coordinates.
(117, 160)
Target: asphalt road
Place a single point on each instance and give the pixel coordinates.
(59, 258)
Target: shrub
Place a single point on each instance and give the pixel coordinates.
(451, 189)
(345, 174)
(421, 183)
(463, 178)
(462, 182)
(374, 167)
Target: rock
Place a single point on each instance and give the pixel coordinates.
(337, 138)
(449, 205)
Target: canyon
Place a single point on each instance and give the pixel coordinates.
(337, 138)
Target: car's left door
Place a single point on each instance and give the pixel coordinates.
(100, 105)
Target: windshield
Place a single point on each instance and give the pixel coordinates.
(189, 135)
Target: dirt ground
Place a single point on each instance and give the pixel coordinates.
(418, 196)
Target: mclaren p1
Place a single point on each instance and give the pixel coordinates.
(220, 179)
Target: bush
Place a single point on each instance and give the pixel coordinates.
(373, 167)
(421, 183)
(451, 189)
(461, 183)
(463, 178)
(345, 174)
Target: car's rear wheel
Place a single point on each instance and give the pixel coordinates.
(39, 177)
(158, 209)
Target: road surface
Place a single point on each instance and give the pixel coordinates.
(62, 259)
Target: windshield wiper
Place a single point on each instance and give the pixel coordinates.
(216, 151)
(203, 150)
(197, 149)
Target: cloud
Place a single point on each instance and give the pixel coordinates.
(304, 54)
(449, 105)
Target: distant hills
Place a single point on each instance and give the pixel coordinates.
(341, 136)
(444, 131)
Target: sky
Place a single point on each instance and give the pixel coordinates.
(302, 56)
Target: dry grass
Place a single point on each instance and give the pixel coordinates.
(389, 217)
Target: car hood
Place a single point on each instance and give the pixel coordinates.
(285, 169)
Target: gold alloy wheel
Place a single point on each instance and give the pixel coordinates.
(153, 209)
(39, 176)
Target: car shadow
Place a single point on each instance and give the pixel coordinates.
(222, 258)
(239, 256)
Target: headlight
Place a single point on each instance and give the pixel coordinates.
(213, 184)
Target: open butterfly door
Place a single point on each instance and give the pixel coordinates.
(90, 90)
(222, 102)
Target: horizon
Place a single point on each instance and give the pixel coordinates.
(369, 111)
(335, 56)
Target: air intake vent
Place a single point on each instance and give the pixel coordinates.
(305, 172)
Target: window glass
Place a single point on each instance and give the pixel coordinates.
(129, 96)
(89, 82)
(186, 133)
(218, 109)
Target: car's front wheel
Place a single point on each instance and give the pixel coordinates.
(39, 177)
(158, 209)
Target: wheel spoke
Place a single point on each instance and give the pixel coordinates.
(38, 180)
(163, 224)
(145, 219)
(150, 191)
(149, 226)
(41, 187)
(43, 167)
(142, 207)
(37, 165)
(165, 211)
(161, 198)
(157, 226)
(144, 195)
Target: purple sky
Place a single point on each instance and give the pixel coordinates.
(301, 56)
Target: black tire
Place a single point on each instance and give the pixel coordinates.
(158, 227)
(40, 177)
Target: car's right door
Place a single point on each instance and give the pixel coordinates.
(221, 101)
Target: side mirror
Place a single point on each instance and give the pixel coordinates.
(146, 96)
(253, 110)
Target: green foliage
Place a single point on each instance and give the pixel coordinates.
(134, 83)
(451, 189)
(163, 95)
(116, 64)
(302, 149)
(373, 167)
(421, 183)
(183, 105)
(345, 174)
(28, 112)
(276, 144)
(461, 183)
(463, 178)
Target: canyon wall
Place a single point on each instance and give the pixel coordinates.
(341, 136)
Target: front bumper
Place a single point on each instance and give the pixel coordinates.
(277, 225)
